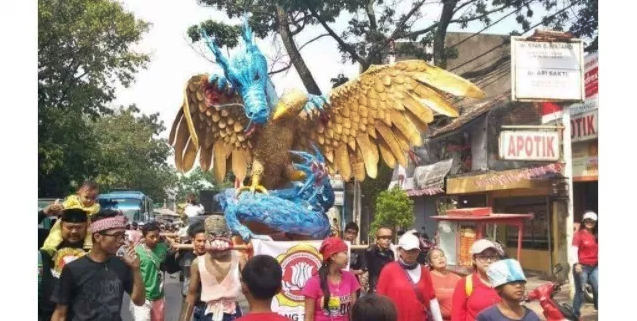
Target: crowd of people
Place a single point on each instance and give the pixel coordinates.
(81, 282)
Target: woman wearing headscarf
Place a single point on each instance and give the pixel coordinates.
(474, 293)
(408, 283)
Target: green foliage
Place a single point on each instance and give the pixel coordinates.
(130, 155)
(198, 180)
(84, 50)
(393, 209)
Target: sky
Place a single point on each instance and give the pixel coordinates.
(159, 88)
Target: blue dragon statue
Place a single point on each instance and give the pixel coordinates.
(235, 121)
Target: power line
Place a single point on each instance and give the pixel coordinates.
(506, 42)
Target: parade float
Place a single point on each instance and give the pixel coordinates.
(287, 146)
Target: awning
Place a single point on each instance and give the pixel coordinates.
(524, 178)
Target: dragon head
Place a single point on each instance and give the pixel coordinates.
(247, 71)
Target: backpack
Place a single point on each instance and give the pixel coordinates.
(468, 285)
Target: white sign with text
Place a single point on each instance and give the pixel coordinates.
(547, 70)
(530, 145)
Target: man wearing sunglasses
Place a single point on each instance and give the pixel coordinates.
(92, 287)
(378, 255)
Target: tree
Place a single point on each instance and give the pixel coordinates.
(375, 24)
(84, 50)
(393, 209)
(586, 24)
(130, 155)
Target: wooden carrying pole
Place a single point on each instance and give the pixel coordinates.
(248, 247)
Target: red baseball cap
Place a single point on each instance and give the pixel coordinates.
(331, 246)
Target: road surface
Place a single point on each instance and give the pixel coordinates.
(172, 292)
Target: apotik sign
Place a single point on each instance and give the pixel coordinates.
(530, 145)
(584, 126)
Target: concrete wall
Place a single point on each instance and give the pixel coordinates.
(424, 208)
(484, 59)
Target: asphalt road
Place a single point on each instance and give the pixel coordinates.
(172, 293)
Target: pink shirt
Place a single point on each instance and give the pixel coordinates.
(340, 297)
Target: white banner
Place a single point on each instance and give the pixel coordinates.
(547, 70)
(530, 145)
(432, 176)
(299, 260)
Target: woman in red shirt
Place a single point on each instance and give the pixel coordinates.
(584, 260)
(408, 283)
(474, 292)
(444, 282)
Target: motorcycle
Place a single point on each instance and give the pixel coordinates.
(552, 310)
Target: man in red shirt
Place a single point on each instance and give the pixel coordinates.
(584, 260)
(260, 282)
(408, 283)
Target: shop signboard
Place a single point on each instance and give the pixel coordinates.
(584, 126)
(585, 161)
(591, 84)
(544, 71)
(529, 145)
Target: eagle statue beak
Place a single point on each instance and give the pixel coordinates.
(291, 101)
(281, 110)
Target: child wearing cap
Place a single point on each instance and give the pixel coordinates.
(508, 279)
(474, 293)
(330, 295)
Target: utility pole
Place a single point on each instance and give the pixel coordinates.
(568, 173)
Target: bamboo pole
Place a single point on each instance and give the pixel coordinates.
(247, 247)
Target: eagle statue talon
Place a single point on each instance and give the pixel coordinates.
(253, 189)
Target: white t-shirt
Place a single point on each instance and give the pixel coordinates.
(193, 210)
(414, 274)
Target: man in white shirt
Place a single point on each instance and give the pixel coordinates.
(193, 209)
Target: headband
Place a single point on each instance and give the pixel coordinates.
(108, 224)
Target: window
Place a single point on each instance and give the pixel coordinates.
(536, 231)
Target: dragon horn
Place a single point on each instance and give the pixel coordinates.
(246, 33)
(212, 45)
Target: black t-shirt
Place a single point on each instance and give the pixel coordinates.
(49, 282)
(375, 260)
(356, 260)
(92, 290)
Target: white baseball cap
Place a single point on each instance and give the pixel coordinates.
(590, 215)
(408, 242)
(481, 245)
(505, 271)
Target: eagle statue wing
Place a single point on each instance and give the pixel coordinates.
(211, 123)
(383, 113)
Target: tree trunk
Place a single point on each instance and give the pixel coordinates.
(441, 33)
(295, 56)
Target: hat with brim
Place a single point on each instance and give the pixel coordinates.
(408, 242)
(482, 245)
